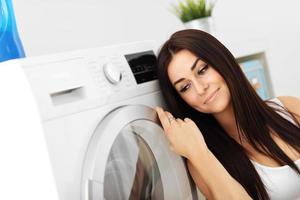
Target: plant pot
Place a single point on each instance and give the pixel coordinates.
(204, 24)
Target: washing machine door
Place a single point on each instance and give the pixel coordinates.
(129, 158)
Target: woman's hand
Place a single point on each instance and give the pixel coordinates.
(208, 173)
(184, 136)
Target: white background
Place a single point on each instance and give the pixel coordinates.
(49, 26)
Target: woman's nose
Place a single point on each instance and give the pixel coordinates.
(201, 88)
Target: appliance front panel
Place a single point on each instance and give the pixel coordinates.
(129, 158)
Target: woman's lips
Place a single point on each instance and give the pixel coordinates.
(212, 96)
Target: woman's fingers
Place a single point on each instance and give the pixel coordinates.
(179, 121)
(183, 135)
(164, 120)
(187, 120)
(170, 117)
(167, 118)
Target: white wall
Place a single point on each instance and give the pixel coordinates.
(275, 23)
(50, 26)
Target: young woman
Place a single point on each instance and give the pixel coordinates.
(237, 146)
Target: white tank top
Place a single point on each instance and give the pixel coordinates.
(281, 183)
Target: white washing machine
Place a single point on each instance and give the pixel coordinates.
(102, 133)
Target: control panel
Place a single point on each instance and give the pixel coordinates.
(72, 81)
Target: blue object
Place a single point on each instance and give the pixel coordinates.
(10, 43)
(256, 74)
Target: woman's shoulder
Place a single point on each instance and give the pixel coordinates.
(292, 104)
(288, 98)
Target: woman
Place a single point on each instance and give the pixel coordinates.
(237, 146)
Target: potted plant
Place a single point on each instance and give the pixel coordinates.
(196, 14)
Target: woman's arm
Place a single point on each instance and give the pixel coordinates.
(292, 104)
(211, 176)
(198, 181)
(208, 173)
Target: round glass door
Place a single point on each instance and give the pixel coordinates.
(131, 171)
(129, 158)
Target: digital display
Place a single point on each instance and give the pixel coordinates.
(143, 65)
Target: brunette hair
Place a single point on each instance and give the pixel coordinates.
(254, 117)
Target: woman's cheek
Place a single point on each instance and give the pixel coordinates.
(191, 100)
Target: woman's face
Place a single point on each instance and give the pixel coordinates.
(199, 84)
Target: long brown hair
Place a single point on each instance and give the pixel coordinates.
(254, 117)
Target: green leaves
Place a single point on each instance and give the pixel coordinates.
(193, 9)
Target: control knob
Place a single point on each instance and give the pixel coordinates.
(112, 73)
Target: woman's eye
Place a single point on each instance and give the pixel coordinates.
(184, 88)
(202, 70)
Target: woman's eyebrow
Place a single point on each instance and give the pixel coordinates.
(192, 68)
(195, 63)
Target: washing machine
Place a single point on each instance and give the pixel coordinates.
(102, 133)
